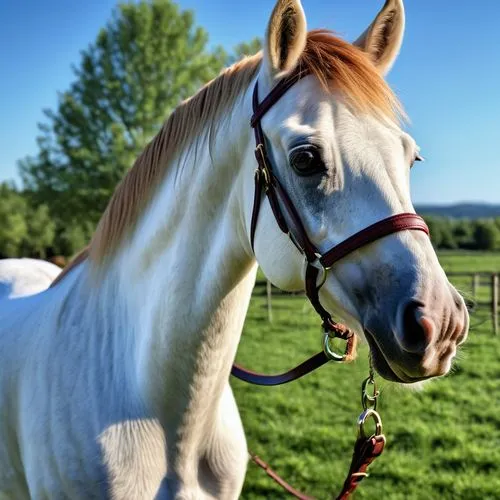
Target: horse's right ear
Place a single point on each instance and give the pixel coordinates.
(285, 39)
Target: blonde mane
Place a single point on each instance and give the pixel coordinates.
(337, 64)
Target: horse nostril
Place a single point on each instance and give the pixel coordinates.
(418, 329)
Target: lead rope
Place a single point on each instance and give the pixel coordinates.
(366, 448)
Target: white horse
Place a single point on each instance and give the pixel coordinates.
(114, 382)
(21, 277)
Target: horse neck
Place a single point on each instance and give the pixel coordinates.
(185, 279)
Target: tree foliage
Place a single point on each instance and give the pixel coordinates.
(41, 231)
(13, 229)
(246, 49)
(24, 229)
(148, 58)
(466, 234)
(487, 235)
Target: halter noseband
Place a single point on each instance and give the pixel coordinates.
(289, 221)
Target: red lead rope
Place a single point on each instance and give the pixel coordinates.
(366, 450)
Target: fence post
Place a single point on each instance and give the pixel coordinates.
(494, 302)
(475, 285)
(269, 301)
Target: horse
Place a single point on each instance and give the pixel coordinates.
(114, 382)
(21, 277)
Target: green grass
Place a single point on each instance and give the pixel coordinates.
(443, 441)
(460, 261)
(471, 262)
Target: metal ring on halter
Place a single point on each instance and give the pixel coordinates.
(330, 353)
(323, 269)
(370, 413)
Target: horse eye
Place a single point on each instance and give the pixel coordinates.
(306, 160)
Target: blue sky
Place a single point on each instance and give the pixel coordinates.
(448, 75)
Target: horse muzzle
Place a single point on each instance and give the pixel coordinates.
(422, 345)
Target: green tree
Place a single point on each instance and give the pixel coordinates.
(448, 241)
(40, 231)
(441, 230)
(434, 224)
(246, 49)
(462, 233)
(72, 238)
(13, 229)
(486, 235)
(148, 58)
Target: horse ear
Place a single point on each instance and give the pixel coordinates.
(383, 38)
(285, 38)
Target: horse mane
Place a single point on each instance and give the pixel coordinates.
(336, 63)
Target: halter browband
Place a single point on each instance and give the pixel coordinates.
(290, 223)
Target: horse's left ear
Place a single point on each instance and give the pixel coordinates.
(383, 38)
(285, 38)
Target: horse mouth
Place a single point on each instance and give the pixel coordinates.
(383, 367)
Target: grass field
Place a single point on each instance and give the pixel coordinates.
(460, 261)
(466, 262)
(443, 441)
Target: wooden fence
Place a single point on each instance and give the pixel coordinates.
(481, 290)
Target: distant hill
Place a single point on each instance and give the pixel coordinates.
(461, 210)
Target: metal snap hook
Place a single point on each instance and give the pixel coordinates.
(364, 417)
(369, 400)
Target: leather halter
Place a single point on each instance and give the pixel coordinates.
(317, 263)
(366, 449)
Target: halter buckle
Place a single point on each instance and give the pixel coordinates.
(263, 169)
